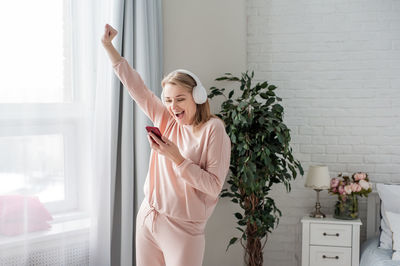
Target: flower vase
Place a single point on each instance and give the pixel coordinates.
(347, 209)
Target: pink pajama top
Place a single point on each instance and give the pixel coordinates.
(188, 191)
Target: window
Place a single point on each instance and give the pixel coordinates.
(34, 164)
(44, 109)
(36, 51)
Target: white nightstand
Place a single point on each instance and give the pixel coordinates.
(330, 241)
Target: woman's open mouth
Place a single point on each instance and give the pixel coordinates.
(179, 115)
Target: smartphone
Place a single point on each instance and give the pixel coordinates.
(156, 131)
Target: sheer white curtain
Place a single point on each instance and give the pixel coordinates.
(56, 93)
(73, 152)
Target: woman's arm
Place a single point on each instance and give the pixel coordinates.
(210, 179)
(109, 34)
(147, 101)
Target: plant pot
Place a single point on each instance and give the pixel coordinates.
(348, 209)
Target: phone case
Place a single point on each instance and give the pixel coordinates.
(155, 130)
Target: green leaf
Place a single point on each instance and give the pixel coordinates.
(239, 216)
(240, 229)
(231, 94)
(234, 188)
(278, 108)
(242, 222)
(227, 194)
(269, 101)
(231, 242)
(248, 83)
(264, 85)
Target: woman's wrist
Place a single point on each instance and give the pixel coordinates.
(113, 54)
(107, 44)
(179, 160)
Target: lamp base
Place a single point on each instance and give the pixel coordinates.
(317, 213)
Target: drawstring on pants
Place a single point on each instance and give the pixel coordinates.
(155, 214)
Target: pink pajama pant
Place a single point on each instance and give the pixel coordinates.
(162, 240)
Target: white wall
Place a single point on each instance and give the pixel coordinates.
(208, 37)
(337, 66)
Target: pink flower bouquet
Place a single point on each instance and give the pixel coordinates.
(357, 184)
(348, 188)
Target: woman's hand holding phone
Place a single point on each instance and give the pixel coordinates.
(164, 146)
(156, 132)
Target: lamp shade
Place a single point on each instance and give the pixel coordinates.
(318, 177)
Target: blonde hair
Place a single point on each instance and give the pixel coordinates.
(203, 113)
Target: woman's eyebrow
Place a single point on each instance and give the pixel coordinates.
(176, 96)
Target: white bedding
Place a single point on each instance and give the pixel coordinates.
(372, 255)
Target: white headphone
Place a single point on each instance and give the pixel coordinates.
(199, 92)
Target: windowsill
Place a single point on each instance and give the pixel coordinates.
(61, 227)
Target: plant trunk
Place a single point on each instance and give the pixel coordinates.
(253, 254)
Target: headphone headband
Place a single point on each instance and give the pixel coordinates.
(184, 71)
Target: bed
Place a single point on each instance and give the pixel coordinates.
(371, 254)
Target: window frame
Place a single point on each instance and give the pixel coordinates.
(65, 120)
(71, 118)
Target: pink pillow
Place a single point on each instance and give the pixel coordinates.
(21, 214)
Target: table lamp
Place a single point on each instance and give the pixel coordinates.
(318, 179)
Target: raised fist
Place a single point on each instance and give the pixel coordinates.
(109, 34)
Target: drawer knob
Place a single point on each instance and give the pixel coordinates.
(326, 234)
(329, 257)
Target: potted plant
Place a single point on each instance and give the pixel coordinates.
(261, 157)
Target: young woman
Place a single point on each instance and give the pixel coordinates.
(187, 166)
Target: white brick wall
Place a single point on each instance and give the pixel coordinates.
(337, 66)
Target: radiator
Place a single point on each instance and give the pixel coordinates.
(51, 253)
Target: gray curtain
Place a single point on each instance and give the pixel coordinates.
(140, 43)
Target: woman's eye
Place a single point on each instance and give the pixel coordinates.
(178, 100)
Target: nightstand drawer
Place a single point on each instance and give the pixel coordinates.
(329, 256)
(330, 234)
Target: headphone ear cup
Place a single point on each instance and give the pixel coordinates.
(199, 94)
